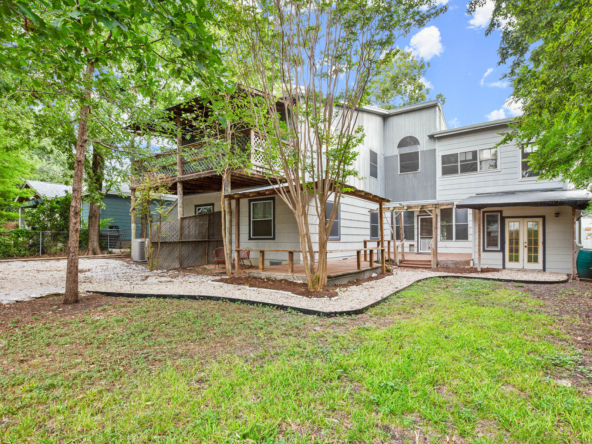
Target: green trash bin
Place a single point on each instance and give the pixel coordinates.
(584, 264)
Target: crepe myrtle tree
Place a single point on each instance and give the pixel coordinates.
(316, 58)
(546, 46)
(69, 50)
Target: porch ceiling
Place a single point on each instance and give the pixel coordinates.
(211, 181)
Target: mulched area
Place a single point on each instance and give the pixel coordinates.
(463, 270)
(48, 308)
(300, 289)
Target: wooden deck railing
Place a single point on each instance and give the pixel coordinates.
(291, 255)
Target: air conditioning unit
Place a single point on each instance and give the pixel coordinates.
(139, 250)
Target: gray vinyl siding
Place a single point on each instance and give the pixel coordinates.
(507, 178)
(411, 186)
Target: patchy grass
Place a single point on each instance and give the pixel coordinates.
(448, 357)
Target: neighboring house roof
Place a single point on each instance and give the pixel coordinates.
(548, 198)
(475, 127)
(48, 190)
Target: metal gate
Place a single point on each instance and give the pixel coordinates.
(187, 242)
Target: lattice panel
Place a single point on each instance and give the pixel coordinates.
(188, 242)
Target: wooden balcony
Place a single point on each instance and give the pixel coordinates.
(199, 170)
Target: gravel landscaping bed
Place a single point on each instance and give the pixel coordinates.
(26, 280)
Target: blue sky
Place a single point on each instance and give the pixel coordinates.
(464, 65)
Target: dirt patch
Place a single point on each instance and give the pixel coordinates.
(463, 270)
(47, 308)
(300, 289)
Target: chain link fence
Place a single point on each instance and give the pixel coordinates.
(27, 243)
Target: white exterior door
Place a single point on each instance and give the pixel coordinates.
(524, 243)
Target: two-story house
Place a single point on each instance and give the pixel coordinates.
(489, 206)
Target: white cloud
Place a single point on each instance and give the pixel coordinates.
(498, 84)
(489, 71)
(426, 83)
(426, 43)
(454, 123)
(509, 109)
(482, 16)
(434, 3)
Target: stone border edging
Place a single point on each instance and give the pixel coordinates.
(98, 256)
(307, 311)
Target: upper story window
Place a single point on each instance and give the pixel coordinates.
(373, 164)
(470, 162)
(409, 162)
(335, 233)
(408, 141)
(526, 170)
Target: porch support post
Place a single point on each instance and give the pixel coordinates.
(382, 255)
(261, 260)
(237, 236)
(402, 236)
(365, 251)
(132, 213)
(179, 170)
(228, 221)
(479, 240)
(574, 251)
(291, 262)
(359, 258)
(434, 238)
(396, 252)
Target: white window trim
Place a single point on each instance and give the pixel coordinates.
(454, 239)
(338, 238)
(370, 164)
(524, 179)
(479, 171)
(418, 161)
(499, 232)
(272, 218)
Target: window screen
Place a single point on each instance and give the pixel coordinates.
(468, 162)
(446, 224)
(526, 170)
(488, 159)
(409, 162)
(492, 230)
(262, 219)
(373, 164)
(408, 226)
(461, 224)
(335, 233)
(449, 164)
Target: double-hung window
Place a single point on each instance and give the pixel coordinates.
(526, 170)
(262, 218)
(470, 162)
(408, 226)
(374, 226)
(454, 224)
(409, 162)
(373, 164)
(335, 233)
(492, 231)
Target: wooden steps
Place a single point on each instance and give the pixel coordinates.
(416, 264)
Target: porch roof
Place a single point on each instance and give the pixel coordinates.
(417, 205)
(271, 190)
(578, 199)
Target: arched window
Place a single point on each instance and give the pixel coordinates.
(408, 141)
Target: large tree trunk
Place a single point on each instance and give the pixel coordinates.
(94, 214)
(71, 294)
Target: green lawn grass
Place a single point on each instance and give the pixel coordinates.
(447, 357)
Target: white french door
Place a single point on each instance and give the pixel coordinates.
(425, 234)
(524, 243)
